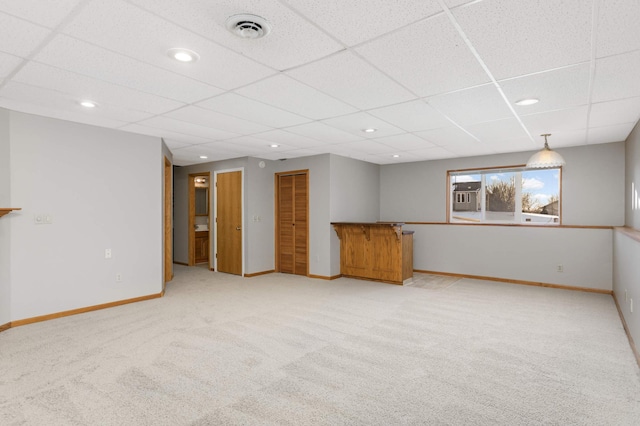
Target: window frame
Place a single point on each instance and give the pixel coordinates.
(508, 169)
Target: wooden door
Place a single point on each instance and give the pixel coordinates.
(293, 227)
(229, 222)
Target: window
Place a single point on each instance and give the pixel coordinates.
(505, 195)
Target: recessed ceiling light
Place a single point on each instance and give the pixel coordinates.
(527, 101)
(183, 55)
(274, 145)
(88, 104)
(204, 157)
(396, 155)
(370, 130)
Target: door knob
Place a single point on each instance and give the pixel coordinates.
(238, 228)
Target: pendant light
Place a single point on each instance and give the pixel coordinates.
(545, 158)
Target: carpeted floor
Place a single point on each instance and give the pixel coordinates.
(287, 350)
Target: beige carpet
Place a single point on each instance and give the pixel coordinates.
(285, 350)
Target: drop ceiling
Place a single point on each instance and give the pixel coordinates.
(435, 78)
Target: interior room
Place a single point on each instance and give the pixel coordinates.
(177, 180)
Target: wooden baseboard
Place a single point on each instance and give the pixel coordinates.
(83, 310)
(521, 282)
(322, 277)
(255, 274)
(4, 327)
(626, 330)
(180, 263)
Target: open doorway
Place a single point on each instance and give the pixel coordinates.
(199, 218)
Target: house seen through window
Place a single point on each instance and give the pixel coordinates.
(505, 195)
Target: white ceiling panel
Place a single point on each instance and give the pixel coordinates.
(288, 94)
(617, 77)
(556, 121)
(517, 37)
(215, 120)
(412, 116)
(174, 144)
(615, 112)
(292, 41)
(616, 133)
(292, 153)
(249, 109)
(556, 89)
(7, 64)
(287, 138)
(618, 29)
(566, 138)
(446, 136)
(182, 127)
(482, 103)
(48, 13)
(355, 21)
(405, 142)
(356, 123)
(352, 80)
(56, 100)
(191, 154)
(323, 133)
(19, 37)
(435, 153)
(131, 31)
(496, 131)
(367, 146)
(180, 138)
(513, 145)
(67, 53)
(82, 87)
(429, 58)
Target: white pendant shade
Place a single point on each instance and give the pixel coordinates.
(545, 158)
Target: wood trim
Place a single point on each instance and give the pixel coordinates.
(629, 232)
(516, 225)
(7, 210)
(626, 330)
(5, 327)
(180, 263)
(83, 310)
(520, 282)
(322, 277)
(255, 274)
(168, 221)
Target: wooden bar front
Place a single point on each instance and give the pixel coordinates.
(378, 251)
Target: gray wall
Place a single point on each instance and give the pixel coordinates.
(103, 189)
(5, 229)
(592, 195)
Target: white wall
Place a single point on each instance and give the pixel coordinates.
(5, 229)
(632, 179)
(103, 189)
(591, 196)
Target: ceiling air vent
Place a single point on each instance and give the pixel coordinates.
(248, 26)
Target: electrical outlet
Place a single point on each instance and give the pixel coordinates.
(560, 268)
(118, 278)
(107, 253)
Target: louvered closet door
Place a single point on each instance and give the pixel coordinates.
(293, 229)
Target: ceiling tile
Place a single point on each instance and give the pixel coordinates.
(352, 80)
(292, 153)
(191, 154)
(405, 142)
(7, 64)
(48, 13)
(174, 144)
(287, 138)
(356, 123)
(615, 112)
(131, 31)
(482, 103)
(617, 133)
(286, 93)
(182, 127)
(412, 116)
(180, 138)
(435, 153)
(617, 77)
(429, 58)
(556, 121)
(566, 138)
(366, 146)
(496, 131)
(516, 37)
(355, 21)
(56, 100)
(249, 109)
(618, 29)
(19, 37)
(82, 87)
(292, 41)
(215, 120)
(557, 89)
(323, 133)
(447, 136)
(92, 61)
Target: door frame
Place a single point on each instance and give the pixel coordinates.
(168, 222)
(276, 187)
(215, 216)
(192, 216)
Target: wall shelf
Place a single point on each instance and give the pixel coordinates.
(5, 210)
